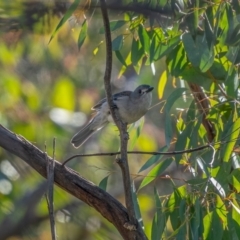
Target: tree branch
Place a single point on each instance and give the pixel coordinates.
(122, 127)
(71, 182)
(203, 106)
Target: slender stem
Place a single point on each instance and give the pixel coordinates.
(123, 161)
(141, 152)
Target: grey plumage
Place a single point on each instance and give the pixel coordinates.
(131, 106)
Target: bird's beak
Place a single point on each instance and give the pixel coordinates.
(149, 89)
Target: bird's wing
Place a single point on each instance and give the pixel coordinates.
(115, 96)
(99, 104)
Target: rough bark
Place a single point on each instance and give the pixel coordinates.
(71, 182)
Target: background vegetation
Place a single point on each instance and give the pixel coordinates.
(187, 50)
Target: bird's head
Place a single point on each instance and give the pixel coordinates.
(142, 90)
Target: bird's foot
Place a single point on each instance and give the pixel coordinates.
(114, 106)
(126, 136)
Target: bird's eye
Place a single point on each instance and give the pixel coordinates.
(139, 91)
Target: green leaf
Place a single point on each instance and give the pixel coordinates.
(234, 179)
(162, 84)
(198, 52)
(159, 220)
(66, 16)
(177, 60)
(114, 25)
(177, 93)
(230, 138)
(120, 58)
(144, 38)
(161, 49)
(135, 133)
(156, 171)
(103, 183)
(154, 159)
(117, 43)
(192, 17)
(136, 206)
(221, 210)
(232, 84)
(182, 231)
(83, 34)
(196, 221)
(137, 52)
(173, 208)
(213, 228)
(233, 55)
(208, 28)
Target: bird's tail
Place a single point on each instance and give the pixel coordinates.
(82, 136)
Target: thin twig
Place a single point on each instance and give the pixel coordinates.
(140, 152)
(49, 197)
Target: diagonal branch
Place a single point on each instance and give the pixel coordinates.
(71, 182)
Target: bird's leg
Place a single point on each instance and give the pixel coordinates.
(126, 135)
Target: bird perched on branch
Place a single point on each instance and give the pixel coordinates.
(131, 107)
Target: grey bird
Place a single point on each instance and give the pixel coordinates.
(131, 107)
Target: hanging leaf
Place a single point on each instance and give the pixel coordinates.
(156, 171)
(83, 34)
(66, 16)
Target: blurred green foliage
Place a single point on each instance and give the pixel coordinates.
(47, 90)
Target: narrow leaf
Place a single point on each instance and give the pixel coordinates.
(66, 16)
(162, 84)
(103, 183)
(117, 43)
(170, 101)
(156, 171)
(154, 159)
(82, 35)
(136, 206)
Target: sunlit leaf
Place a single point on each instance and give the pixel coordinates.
(144, 38)
(162, 84)
(231, 136)
(63, 93)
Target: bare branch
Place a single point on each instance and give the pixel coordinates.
(71, 182)
(203, 107)
(49, 196)
(141, 152)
